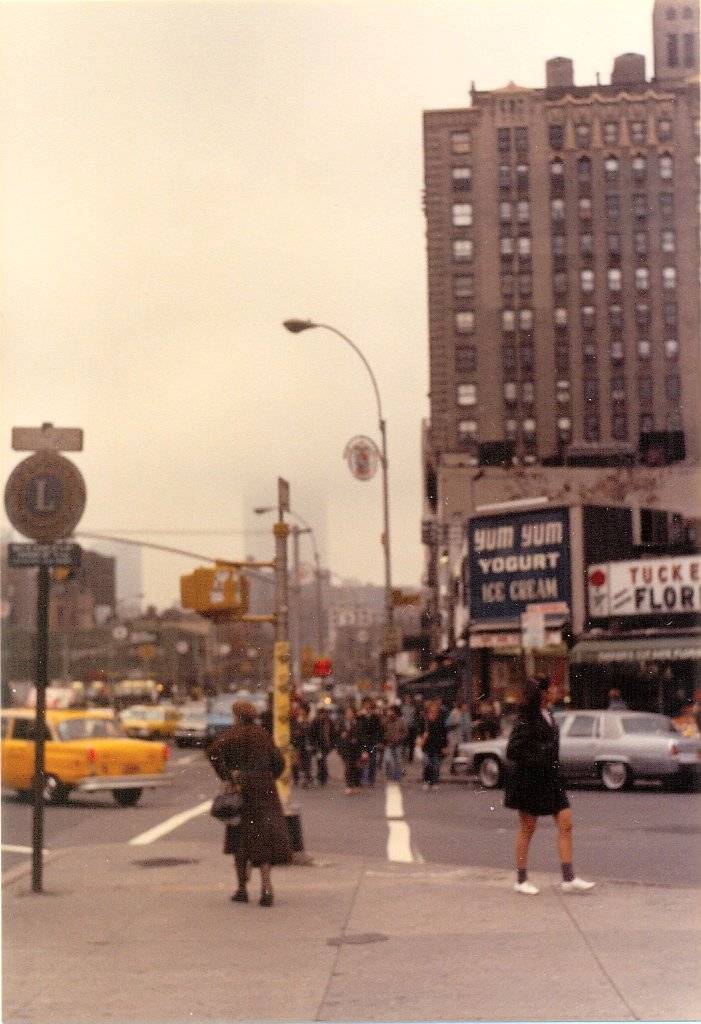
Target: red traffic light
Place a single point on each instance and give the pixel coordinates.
(323, 667)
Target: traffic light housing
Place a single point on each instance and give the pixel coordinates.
(218, 593)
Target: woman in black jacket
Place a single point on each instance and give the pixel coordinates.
(535, 785)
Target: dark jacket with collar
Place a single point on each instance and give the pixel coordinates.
(534, 782)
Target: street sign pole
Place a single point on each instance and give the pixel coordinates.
(40, 727)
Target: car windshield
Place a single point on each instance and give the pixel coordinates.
(88, 729)
(656, 725)
(222, 706)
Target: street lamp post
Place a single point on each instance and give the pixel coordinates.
(296, 327)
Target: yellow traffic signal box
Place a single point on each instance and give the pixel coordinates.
(221, 592)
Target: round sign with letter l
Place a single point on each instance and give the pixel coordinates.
(45, 497)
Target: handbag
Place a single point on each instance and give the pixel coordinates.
(227, 804)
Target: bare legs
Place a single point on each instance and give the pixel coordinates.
(527, 826)
(563, 820)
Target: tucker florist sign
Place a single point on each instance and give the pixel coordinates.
(516, 559)
(650, 586)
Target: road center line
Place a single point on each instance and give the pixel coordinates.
(399, 837)
(169, 825)
(394, 805)
(16, 849)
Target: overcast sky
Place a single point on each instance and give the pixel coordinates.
(180, 178)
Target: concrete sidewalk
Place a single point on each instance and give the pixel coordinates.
(127, 934)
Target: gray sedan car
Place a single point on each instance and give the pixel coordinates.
(614, 747)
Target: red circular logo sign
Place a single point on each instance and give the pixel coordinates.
(597, 578)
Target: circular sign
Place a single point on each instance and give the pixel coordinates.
(45, 497)
(363, 457)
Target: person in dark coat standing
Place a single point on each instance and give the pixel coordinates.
(535, 785)
(349, 748)
(247, 754)
(434, 742)
(323, 738)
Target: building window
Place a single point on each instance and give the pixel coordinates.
(589, 350)
(505, 213)
(618, 387)
(665, 129)
(669, 277)
(562, 356)
(521, 138)
(510, 391)
(507, 285)
(689, 50)
(645, 387)
(666, 165)
(666, 204)
(460, 142)
(672, 50)
(557, 169)
(508, 320)
(584, 170)
(506, 245)
(586, 244)
(587, 280)
(464, 286)
(522, 176)
(673, 387)
(467, 428)
(510, 427)
(640, 241)
(462, 215)
(638, 167)
(559, 244)
(562, 392)
(465, 321)
(591, 427)
(647, 423)
(644, 348)
(642, 314)
(638, 133)
(527, 357)
(528, 426)
(564, 424)
(591, 390)
(467, 394)
(463, 248)
(642, 279)
(560, 283)
(523, 211)
(611, 168)
(509, 357)
(617, 353)
(671, 13)
(640, 205)
(613, 206)
(614, 279)
(560, 316)
(671, 348)
(556, 136)
(462, 177)
(504, 140)
(588, 317)
(524, 246)
(504, 176)
(465, 359)
(584, 206)
(528, 392)
(557, 209)
(610, 133)
(616, 315)
(525, 285)
(619, 426)
(613, 243)
(582, 134)
(525, 319)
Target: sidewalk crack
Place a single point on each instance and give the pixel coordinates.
(337, 957)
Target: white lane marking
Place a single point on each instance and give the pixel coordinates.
(16, 849)
(187, 759)
(394, 806)
(399, 842)
(170, 824)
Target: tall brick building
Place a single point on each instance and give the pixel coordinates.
(563, 264)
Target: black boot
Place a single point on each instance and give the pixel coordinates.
(266, 898)
(240, 896)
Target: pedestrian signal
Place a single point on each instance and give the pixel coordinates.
(219, 593)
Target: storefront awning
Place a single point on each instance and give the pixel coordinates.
(648, 648)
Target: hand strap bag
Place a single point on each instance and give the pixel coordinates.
(227, 804)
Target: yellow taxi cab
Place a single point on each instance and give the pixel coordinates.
(150, 723)
(85, 751)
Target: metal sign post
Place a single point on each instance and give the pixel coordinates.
(40, 728)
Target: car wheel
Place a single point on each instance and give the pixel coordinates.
(54, 790)
(615, 776)
(126, 797)
(489, 772)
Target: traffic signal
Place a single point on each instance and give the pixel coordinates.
(323, 667)
(219, 593)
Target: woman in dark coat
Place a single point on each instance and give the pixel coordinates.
(350, 749)
(261, 839)
(534, 783)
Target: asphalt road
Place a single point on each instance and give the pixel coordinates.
(646, 835)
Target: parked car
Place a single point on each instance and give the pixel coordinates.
(150, 723)
(85, 751)
(615, 747)
(191, 730)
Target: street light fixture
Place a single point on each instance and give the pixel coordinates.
(295, 326)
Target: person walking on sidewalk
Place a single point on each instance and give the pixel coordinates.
(434, 743)
(535, 785)
(349, 749)
(261, 839)
(323, 738)
(370, 735)
(395, 735)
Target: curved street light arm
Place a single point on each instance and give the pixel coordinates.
(355, 348)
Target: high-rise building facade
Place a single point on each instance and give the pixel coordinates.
(563, 263)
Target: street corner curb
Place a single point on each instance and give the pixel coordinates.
(20, 871)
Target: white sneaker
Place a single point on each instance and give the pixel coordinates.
(526, 888)
(577, 885)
